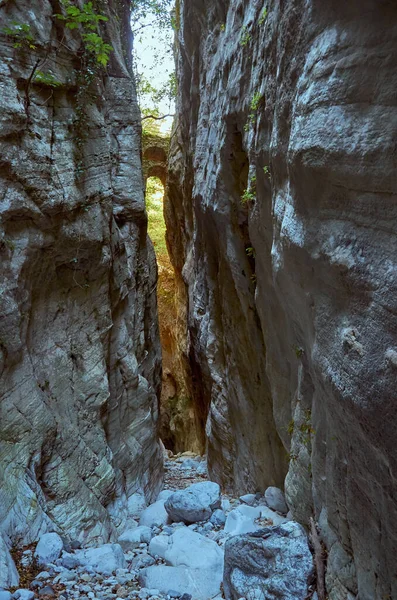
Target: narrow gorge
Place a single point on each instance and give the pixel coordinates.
(243, 448)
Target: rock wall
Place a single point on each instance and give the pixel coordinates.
(79, 345)
(281, 217)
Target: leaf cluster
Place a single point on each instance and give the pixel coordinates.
(89, 20)
(22, 35)
(46, 78)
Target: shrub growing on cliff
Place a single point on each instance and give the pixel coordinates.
(21, 34)
(245, 36)
(88, 19)
(263, 16)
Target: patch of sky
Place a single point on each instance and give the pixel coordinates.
(154, 60)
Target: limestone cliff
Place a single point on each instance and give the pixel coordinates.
(281, 214)
(79, 346)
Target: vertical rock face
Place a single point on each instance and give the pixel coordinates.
(290, 293)
(79, 347)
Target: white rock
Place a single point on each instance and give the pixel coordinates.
(164, 495)
(132, 538)
(195, 503)
(238, 523)
(242, 519)
(225, 504)
(185, 548)
(155, 515)
(201, 584)
(8, 572)
(105, 559)
(136, 504)
(218, 518)
(49, 548)
(248, 499)
(159, 545)
(5, 595)
(275, 500)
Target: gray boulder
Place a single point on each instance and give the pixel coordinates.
(275, 562)
(131, 538)
(275, 500)
(8, 572)
(248, 499)
(49, 548)
(201, 584)
(105, 559)
(195, 503)
(142, 561)
(23, 594)
(5, 595)
(154, 515)
(218, 518)
(185, 548)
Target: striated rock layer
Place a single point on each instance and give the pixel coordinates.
(79, 346)
(290, 293)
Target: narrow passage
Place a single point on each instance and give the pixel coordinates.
(174, 548)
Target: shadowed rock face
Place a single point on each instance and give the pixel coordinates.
(79, 347)
(290, 296)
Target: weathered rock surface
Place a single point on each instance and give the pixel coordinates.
(290, 295)
(8, 573)
(131, 538)
(201, 584)
(106, 559)
(274, 563)
(154, 515)
(195, 503)
(185, 548)
(275, 500)
(79, 348)
(48, 549)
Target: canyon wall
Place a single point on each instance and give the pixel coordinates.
(281, 216)
(80, 359)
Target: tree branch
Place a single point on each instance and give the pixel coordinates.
(156, 118)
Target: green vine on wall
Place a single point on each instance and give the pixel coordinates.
(95, 56)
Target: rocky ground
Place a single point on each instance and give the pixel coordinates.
(192, 543)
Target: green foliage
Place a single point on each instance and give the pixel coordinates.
(249, 193)
(21, 34)
(245, 36)
(75, 17)
(250, 252)
(89, 20)
(266, 171)
(306, 430)
(299, 351)
(47, 79)
(167, 92)
(263, 16)
(248, 196)
(159, 10)
(95, 44)
(255, 102)
(154, 207)
(291, 427)
(254, 106)
(223, 27)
